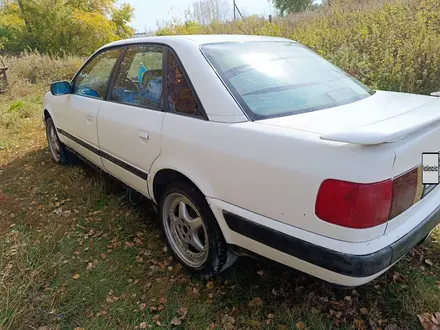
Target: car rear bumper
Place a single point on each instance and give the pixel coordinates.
(362, 267)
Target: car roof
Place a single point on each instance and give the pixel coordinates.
(192, 40)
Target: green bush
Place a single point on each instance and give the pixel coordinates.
(389, 45)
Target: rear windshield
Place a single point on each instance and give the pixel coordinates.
(277, 78)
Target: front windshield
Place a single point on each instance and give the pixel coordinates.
(277, 78)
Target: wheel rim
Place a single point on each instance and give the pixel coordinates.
(54, 143)
(185, 230)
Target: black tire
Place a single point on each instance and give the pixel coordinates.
(64, 157)
(219, 257)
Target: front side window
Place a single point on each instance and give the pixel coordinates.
(139, 80)
(280, 78)
(181, 98)
(92, 80)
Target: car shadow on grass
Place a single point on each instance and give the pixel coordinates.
(80, 250)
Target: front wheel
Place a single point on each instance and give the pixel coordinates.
(56, 147)
(191, 230)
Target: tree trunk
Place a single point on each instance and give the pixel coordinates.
(24, 15)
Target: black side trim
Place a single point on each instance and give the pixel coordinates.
(103, 154)
(124, 165)
(342, 263)
(80, 142)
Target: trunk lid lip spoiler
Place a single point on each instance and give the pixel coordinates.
(392, 129)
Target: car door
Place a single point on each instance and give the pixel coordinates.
(130, 122)
(77, 113)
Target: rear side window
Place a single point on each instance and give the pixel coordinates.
(181, 98)
(93, 79)
(139, 79)
(279, 78)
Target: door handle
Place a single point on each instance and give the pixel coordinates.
(144, 135)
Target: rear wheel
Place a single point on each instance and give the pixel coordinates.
(57, 149)
(191, 230)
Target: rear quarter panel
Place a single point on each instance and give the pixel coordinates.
(272, 171)
(409, 155)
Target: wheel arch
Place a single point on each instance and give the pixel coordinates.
(165, 176)
(46, 114)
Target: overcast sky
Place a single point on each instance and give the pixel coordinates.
(148, 12)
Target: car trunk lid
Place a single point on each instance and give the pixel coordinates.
(408, 124)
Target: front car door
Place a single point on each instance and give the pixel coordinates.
(130, 122)
(77, 113)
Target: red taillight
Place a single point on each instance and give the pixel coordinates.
(354, 205)
(360, 205)
(407, 190)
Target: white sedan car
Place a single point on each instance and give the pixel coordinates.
(255, 146)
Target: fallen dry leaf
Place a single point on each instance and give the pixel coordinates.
(176, 321)
(256, 302)
(89, 266)
(142, 306)
(228, 322)
(103, 256)
(163, 300)
(161, 308)
(210, 285)
(76, 276)
(429, 262)
(429, 321)
(300, 326)
(397, 276)
(359, 324)
(111, 299)
(182, 311)
(364, 311)
(144, 325)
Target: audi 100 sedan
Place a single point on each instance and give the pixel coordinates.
(255, 146)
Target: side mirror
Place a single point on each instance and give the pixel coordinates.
(60, 88)
(435, 94)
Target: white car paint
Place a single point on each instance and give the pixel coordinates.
(80, 118)
(267, 171)
(135, 136)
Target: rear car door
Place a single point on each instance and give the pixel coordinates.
(77, 112)
(130, 122)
